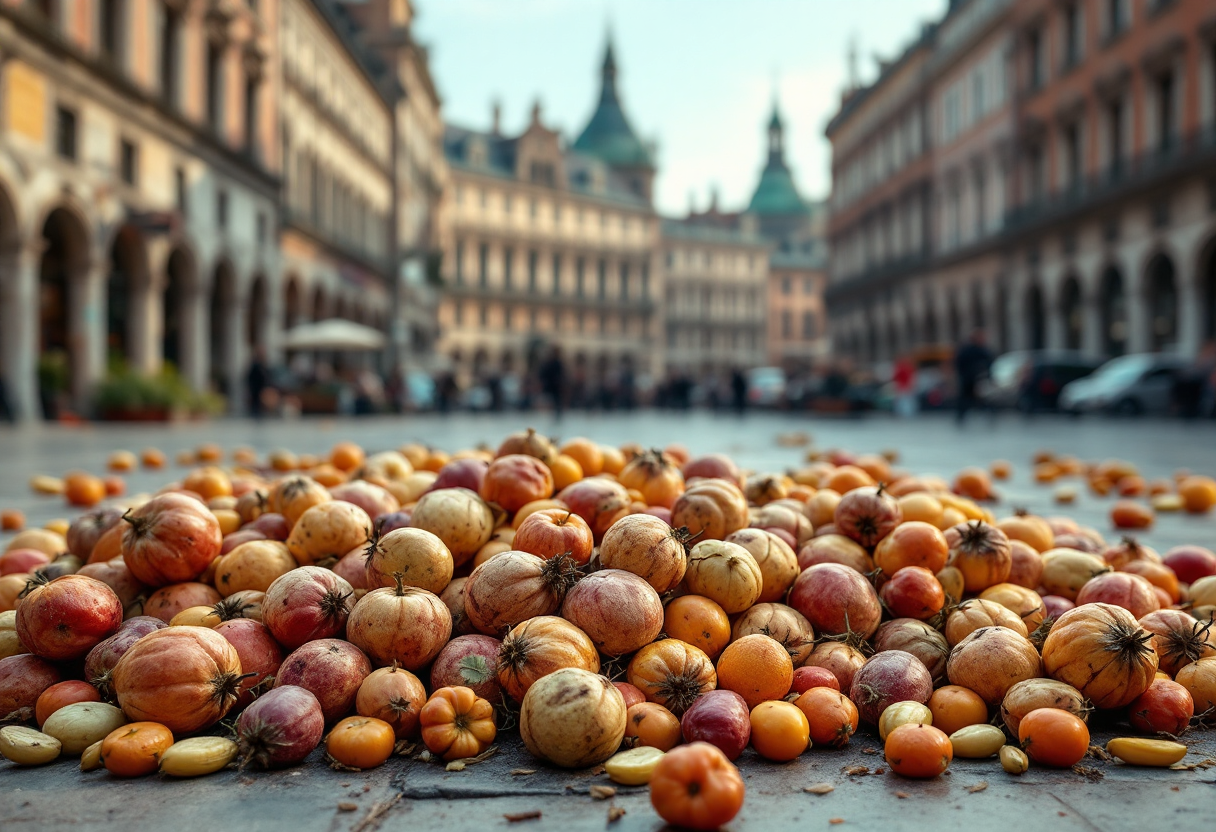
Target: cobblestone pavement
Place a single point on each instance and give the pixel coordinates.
(406, 794)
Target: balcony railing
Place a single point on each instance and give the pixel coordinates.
(644, 305)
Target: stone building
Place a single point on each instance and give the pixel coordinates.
(552, 246)
(1045, 170)
(338, 190)
(139, 160)
(715, 277)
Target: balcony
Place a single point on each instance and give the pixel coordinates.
(1175, 159)
(637, 305)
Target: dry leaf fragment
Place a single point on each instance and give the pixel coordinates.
(869, 751)
(835, 820)
(978, 787)
(820, 788)
(615, 813)
(597, 771)
(346, 806)
(880, 771)
(1099, 753)
(601, 792)
(522, 772)
(902, 795)
(455, 765)
(1087, 772)
(856, 770)
(516, 817)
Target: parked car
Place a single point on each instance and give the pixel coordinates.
(1031, 380)
(766, 387)
(1130, 385)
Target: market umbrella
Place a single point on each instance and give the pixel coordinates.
(334, 335)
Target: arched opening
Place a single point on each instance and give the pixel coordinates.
(340, 309)
(320, 304)
(1162, 303)
(223, 332)
(911, 340)
(292, 304)
(1114, 313)
(61, 344)
(12, 376)
(256, 322)
(979, 315)
(955, 322)
(179, 286)
(1036, 318)
(128, 276)
(1074, 314)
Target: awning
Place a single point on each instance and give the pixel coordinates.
(335, 335)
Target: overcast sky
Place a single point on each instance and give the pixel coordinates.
(696, 76)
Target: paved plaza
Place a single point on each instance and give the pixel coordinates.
(419, 796)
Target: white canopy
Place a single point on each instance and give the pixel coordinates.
(335, 334)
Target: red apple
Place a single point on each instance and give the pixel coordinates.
(720, 718)
(245, 535)
(260, 654)
(274, 526)
(470, 661)
(712, 466)
(16, 561)
(555, 531)
(461, 473)
(1056, 605)
(372, 498)
(1190, 563)
(809, 677)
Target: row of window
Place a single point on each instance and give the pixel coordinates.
(540, 211)
(533, 320)
(706, 260)
(891, 150)
(714, 302)
(333, 205)
(968, 100)
(631, 281)
(787, 285)
(810, 326)
(709, 340)
(1061, 42)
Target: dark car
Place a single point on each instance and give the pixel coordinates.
(1031, 380)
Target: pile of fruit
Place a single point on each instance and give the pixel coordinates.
(640, 609)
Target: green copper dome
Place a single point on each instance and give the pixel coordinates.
(776, 193)
(608, 136)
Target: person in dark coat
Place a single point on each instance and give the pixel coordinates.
(553, 380)
(971, 363)
(738, 391)
(256, 382)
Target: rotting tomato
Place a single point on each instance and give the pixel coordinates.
(361, 741)
(918, 751)
(134, 750)
(1053, 737)
(696, 787)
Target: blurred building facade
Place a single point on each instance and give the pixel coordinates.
(139, 161)
(552, 246)
(182, 180)
(1045, 170)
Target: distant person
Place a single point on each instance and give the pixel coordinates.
(738, 391)
(553, 380)
(6, 407)
(836, 382)
(904, 379)
(971, 362)
(446, 391)
(257, 380)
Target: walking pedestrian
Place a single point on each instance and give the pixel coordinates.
(738, 391)
(553, 380)
(904, 379)
(971, 362)
(257, 380)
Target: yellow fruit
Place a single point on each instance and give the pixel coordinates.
(903, 713)
(977, 741)
(43, 484)
(1014, 759)
(90, 760)
(197, 756)
(1167, 503)
(81, 724)
(1139, 751)
(27, 747)
(633, 767)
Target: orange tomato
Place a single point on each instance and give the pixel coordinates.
(209, 452)
(134, 750)
(586, 453)
(698, 621)
(696, 787)
(1053, 737)
(566, 471)
(1198, 494)
(11, 520)
(152, 458)
(62, 694)
(650, 724)
(780, 731)
(848, 477)
(1128, 515)
(82, 489)
(757, 667)
(954, 707)
(457, 723)
(346, 456)
(361, 741)
(831, 716)
(913, 543)
(920, 751)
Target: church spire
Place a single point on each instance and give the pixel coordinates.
(776, 135)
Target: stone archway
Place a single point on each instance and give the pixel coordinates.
(320, 304)
(63, 340)
(257, 320)
(293, 303)
(224, 332)
(16, 308)
(1073, 313)
(929, 331)
(127, 286)
(1113, 312)
(178, 301)
(1036, 318)
(953, 318)
(979, 315)
(1162, 303)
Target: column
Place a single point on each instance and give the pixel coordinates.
(237, 354)
(1138, 317)
(87, 330)
(1093, 338)
(195, 323)
(1190, 311)
(144, 319)
(19, 315)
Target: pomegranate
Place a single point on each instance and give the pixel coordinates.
(836, 600)
(281, 728)
(470, 661)
(99, 663)
(887, 678)
(917, 638)
(619, 610)
(23, 678)
(67, 617)
(331, 669)
(260, 655)
(867, 515)
(171, 539)
(306, 604)
(720, 718)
